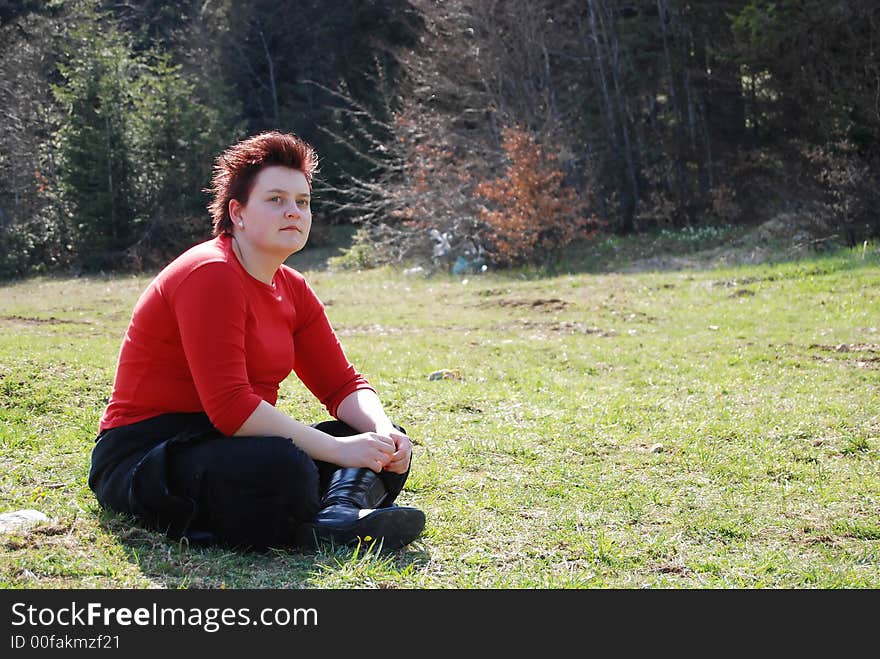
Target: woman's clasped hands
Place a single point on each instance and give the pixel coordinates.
(389, 450)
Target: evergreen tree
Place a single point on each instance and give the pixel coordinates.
(176, 137)
(136, 148)
(96, 173)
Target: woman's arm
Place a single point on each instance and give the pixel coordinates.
(322, 366)
(368, 449)
(363, 411)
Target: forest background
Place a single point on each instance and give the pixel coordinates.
(493, 132)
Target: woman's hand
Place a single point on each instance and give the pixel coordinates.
(368, 449)
(400, 459)
(362, 409)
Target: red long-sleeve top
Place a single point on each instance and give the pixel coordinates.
(206, 336)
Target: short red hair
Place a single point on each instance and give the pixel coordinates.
(236, 168)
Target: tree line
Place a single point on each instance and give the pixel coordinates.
(502, 129)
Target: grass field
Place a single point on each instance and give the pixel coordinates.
(683, 428)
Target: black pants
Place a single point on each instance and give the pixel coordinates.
(177, 473)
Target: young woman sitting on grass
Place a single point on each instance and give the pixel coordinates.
(191, 442)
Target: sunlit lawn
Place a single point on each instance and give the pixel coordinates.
(678, 429)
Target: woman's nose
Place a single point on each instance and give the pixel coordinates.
(293, 211)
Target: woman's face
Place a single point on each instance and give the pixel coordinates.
(277, 217)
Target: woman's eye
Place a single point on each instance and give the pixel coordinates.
(276, 199)
(303, 203)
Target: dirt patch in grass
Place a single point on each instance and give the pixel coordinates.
(538, 304)
(673, 568)
(827, 540)
(35, 320)
(37, 536)
(872, 363)
(742, 292)
(848, 347)
(742, 281)
(860, 361)
(563, 327)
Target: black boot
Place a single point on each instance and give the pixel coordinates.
(350, 512)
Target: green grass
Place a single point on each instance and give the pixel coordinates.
(695, 428)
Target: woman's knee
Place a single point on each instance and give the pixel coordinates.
(257, 492)
(341, 429)
(277, 464)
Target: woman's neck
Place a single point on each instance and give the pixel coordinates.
(257, 268)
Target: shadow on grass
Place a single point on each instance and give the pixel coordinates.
(656, 250)
(662, 253)
(167, 563)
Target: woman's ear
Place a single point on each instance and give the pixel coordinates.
(235, 207)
